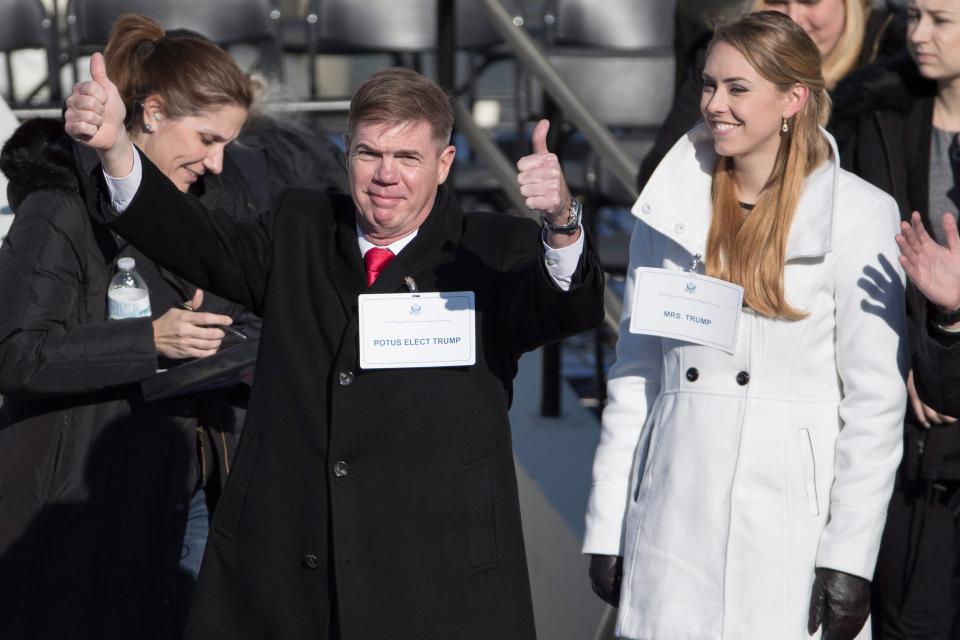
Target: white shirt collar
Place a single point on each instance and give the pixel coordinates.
(396, 247)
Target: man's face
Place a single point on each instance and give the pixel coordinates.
(395, 170)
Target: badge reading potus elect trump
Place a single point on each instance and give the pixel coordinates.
(407, 330)
(686, 306)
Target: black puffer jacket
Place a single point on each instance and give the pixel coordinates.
(94, 482)
(883, 123)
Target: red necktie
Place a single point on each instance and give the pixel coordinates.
(376, 260)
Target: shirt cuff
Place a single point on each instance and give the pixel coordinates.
(562, 263)
(123, 190)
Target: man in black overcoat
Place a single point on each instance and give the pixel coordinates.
(365, 504)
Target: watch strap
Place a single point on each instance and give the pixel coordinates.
(942, 317)
(573, 221)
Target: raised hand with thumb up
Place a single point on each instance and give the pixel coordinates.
(542, 184)
(94, 117)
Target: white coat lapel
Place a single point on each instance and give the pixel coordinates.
(676, 200)
(811, 233)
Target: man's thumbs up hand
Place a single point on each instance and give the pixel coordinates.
(95, 115)
(540, 137)
(541, 180)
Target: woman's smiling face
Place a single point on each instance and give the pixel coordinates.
(743, 110)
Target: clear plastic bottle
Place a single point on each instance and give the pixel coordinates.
(127, 296)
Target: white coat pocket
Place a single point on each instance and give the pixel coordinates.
(809, 468)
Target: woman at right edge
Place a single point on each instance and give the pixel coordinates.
(898, 127)
(742, 495)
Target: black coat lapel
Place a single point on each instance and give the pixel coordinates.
(346, 265)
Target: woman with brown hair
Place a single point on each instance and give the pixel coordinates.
(103, 495)
(748, 451)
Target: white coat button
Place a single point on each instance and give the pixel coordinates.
(345, 378)
(680, 227)
(646, 208)
(340, 468)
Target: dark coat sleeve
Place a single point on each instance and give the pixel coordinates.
(936, 368)
(211, 249)
(45, 347)
(533, 309)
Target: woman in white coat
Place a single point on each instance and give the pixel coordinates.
(729, 486)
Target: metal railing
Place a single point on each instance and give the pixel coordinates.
(529, 54)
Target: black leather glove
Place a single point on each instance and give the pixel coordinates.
(840, 602)
(605, 575)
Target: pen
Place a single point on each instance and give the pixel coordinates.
(187, 307)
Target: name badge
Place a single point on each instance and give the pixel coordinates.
(687, 306)
(405, 330)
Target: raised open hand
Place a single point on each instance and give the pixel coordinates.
(933, 268)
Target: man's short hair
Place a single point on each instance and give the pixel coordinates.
(397, 95)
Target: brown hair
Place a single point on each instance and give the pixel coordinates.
(750, 250)
(190, 73)
(841, 60)
(397, 95)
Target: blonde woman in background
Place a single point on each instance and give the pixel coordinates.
(742, 494)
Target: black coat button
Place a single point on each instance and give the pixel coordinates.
(743, 378)
(692, 374)
(345, 378)
(340, 468)
(311, 561)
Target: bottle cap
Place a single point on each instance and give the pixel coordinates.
(126, 263)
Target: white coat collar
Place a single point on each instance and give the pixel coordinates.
(676, 200)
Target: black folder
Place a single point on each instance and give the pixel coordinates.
(225, 368)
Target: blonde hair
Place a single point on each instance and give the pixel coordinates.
(842, 59)
(750, 250)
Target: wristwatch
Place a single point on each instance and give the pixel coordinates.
(942, 318)
(573, 222)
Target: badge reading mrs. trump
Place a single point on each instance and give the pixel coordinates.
(686, 306)
(401, 330)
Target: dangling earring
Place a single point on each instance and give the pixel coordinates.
(149, 126)
(785, 128)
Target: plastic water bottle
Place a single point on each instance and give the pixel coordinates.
(127, 296)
